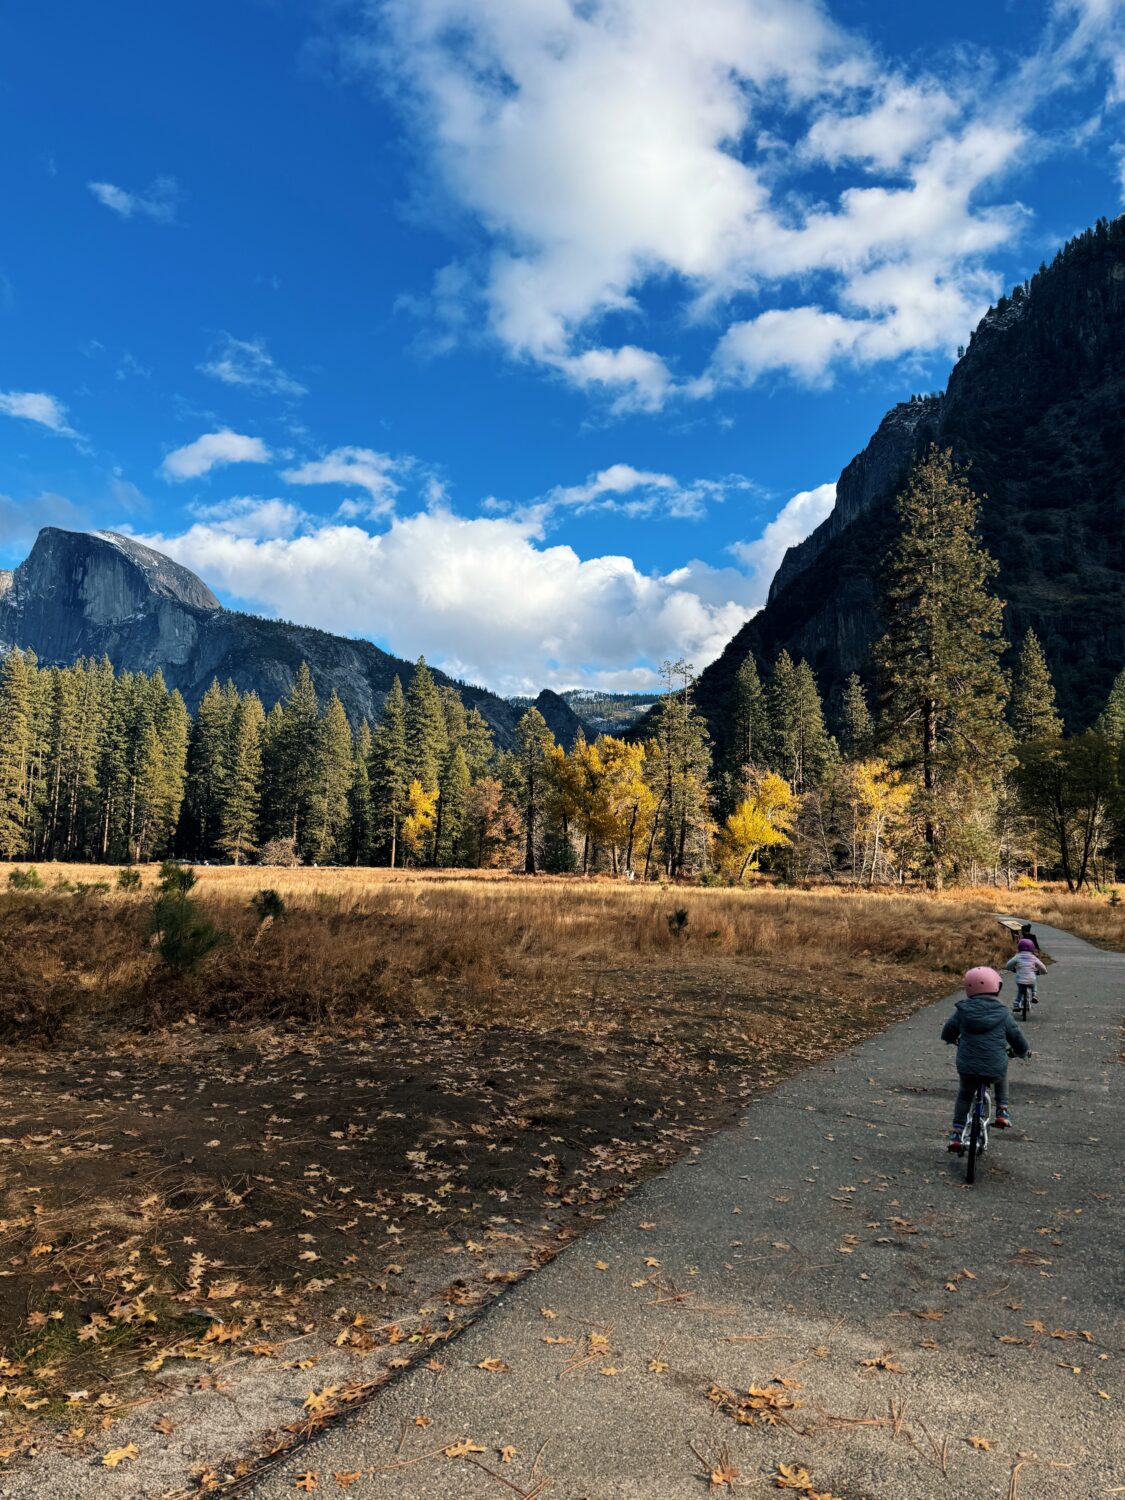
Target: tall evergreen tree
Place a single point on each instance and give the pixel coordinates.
(1112, 720)
(453, 798)
(681, 769)
(361, 812)
(1032, 708)
(16, 739)
(296, 760)
(332, 784)
(857, 728)
(426, 738)
(238, 831)
(529, 779)
(390, 782)
(477, 744)
(943, 693)
(746, 733)
(208, 771)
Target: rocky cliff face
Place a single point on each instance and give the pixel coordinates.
(94, 594)
(1036, 408)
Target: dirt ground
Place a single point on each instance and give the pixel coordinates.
(338, 1201)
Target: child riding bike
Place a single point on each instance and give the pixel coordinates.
(983, 1028)
(1026, 966)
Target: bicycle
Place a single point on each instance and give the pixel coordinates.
(1024, 993)
(974, 1135)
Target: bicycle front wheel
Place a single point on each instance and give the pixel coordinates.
(974, 1148)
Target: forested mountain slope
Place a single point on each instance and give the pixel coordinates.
(98, 593)
(1036, 407)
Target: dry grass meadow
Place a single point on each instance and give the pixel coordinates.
(349, 1127)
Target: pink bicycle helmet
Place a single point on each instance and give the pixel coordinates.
(982, 981)
(1025, 945)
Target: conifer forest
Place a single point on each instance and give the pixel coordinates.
(941, 767)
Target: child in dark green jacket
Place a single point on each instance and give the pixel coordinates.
(984, 1029)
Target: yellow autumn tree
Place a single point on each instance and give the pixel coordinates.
(880, 801)
(418, 825)
(629, 799)
(762, 820)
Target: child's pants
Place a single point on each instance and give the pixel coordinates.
(967, 1092)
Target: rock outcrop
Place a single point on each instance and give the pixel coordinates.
(1036, 408)
(98, 593)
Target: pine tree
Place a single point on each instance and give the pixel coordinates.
(1032, 709)
(390, 783)
(296, 760)
(943, 694)
(273, 806)
(453, 798)
(426, 739)
(238, 832)
(208, 770)
(780, 696)
(332, 784)
(747, 732)
(480, 752)
(16, 704)
(361, 812)
(1112, 720)
(857, 729)
(529, 775)
(682, 764)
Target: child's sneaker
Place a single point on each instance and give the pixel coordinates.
(954, 1142)
(1003, 1118)
(1035, 999)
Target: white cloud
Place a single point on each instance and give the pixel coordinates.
(37, 406)
(796, 519)
(247, 362)
(359, 468)
(212, 451)
(610, 149)
(248, 516)
(486, 598)
(632, 492)
(158, 201)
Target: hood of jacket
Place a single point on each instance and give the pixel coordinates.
(981, 1014)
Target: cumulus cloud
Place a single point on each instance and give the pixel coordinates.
(796, 519)
(159, 201)
(358, 468)
(487, 598)
(610, 149)
(632, 492)
(247, 362)
(212, 451)
(38, 407)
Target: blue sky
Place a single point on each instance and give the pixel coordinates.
(522, 333)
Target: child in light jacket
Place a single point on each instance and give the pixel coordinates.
(1027, 967)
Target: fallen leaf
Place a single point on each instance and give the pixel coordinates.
(463, 1449)
(656, 1367)
(979, 1442)
(494, 1366)
(164, 1425)
(345, 1477)
(117, 1456)
(307, 1481)
(600, 1265)
(507, 1453)
(792, 1477)
(422, 1421)
(723, 1474)
(547, 1312)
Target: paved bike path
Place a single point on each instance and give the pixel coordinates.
(831, 1228)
